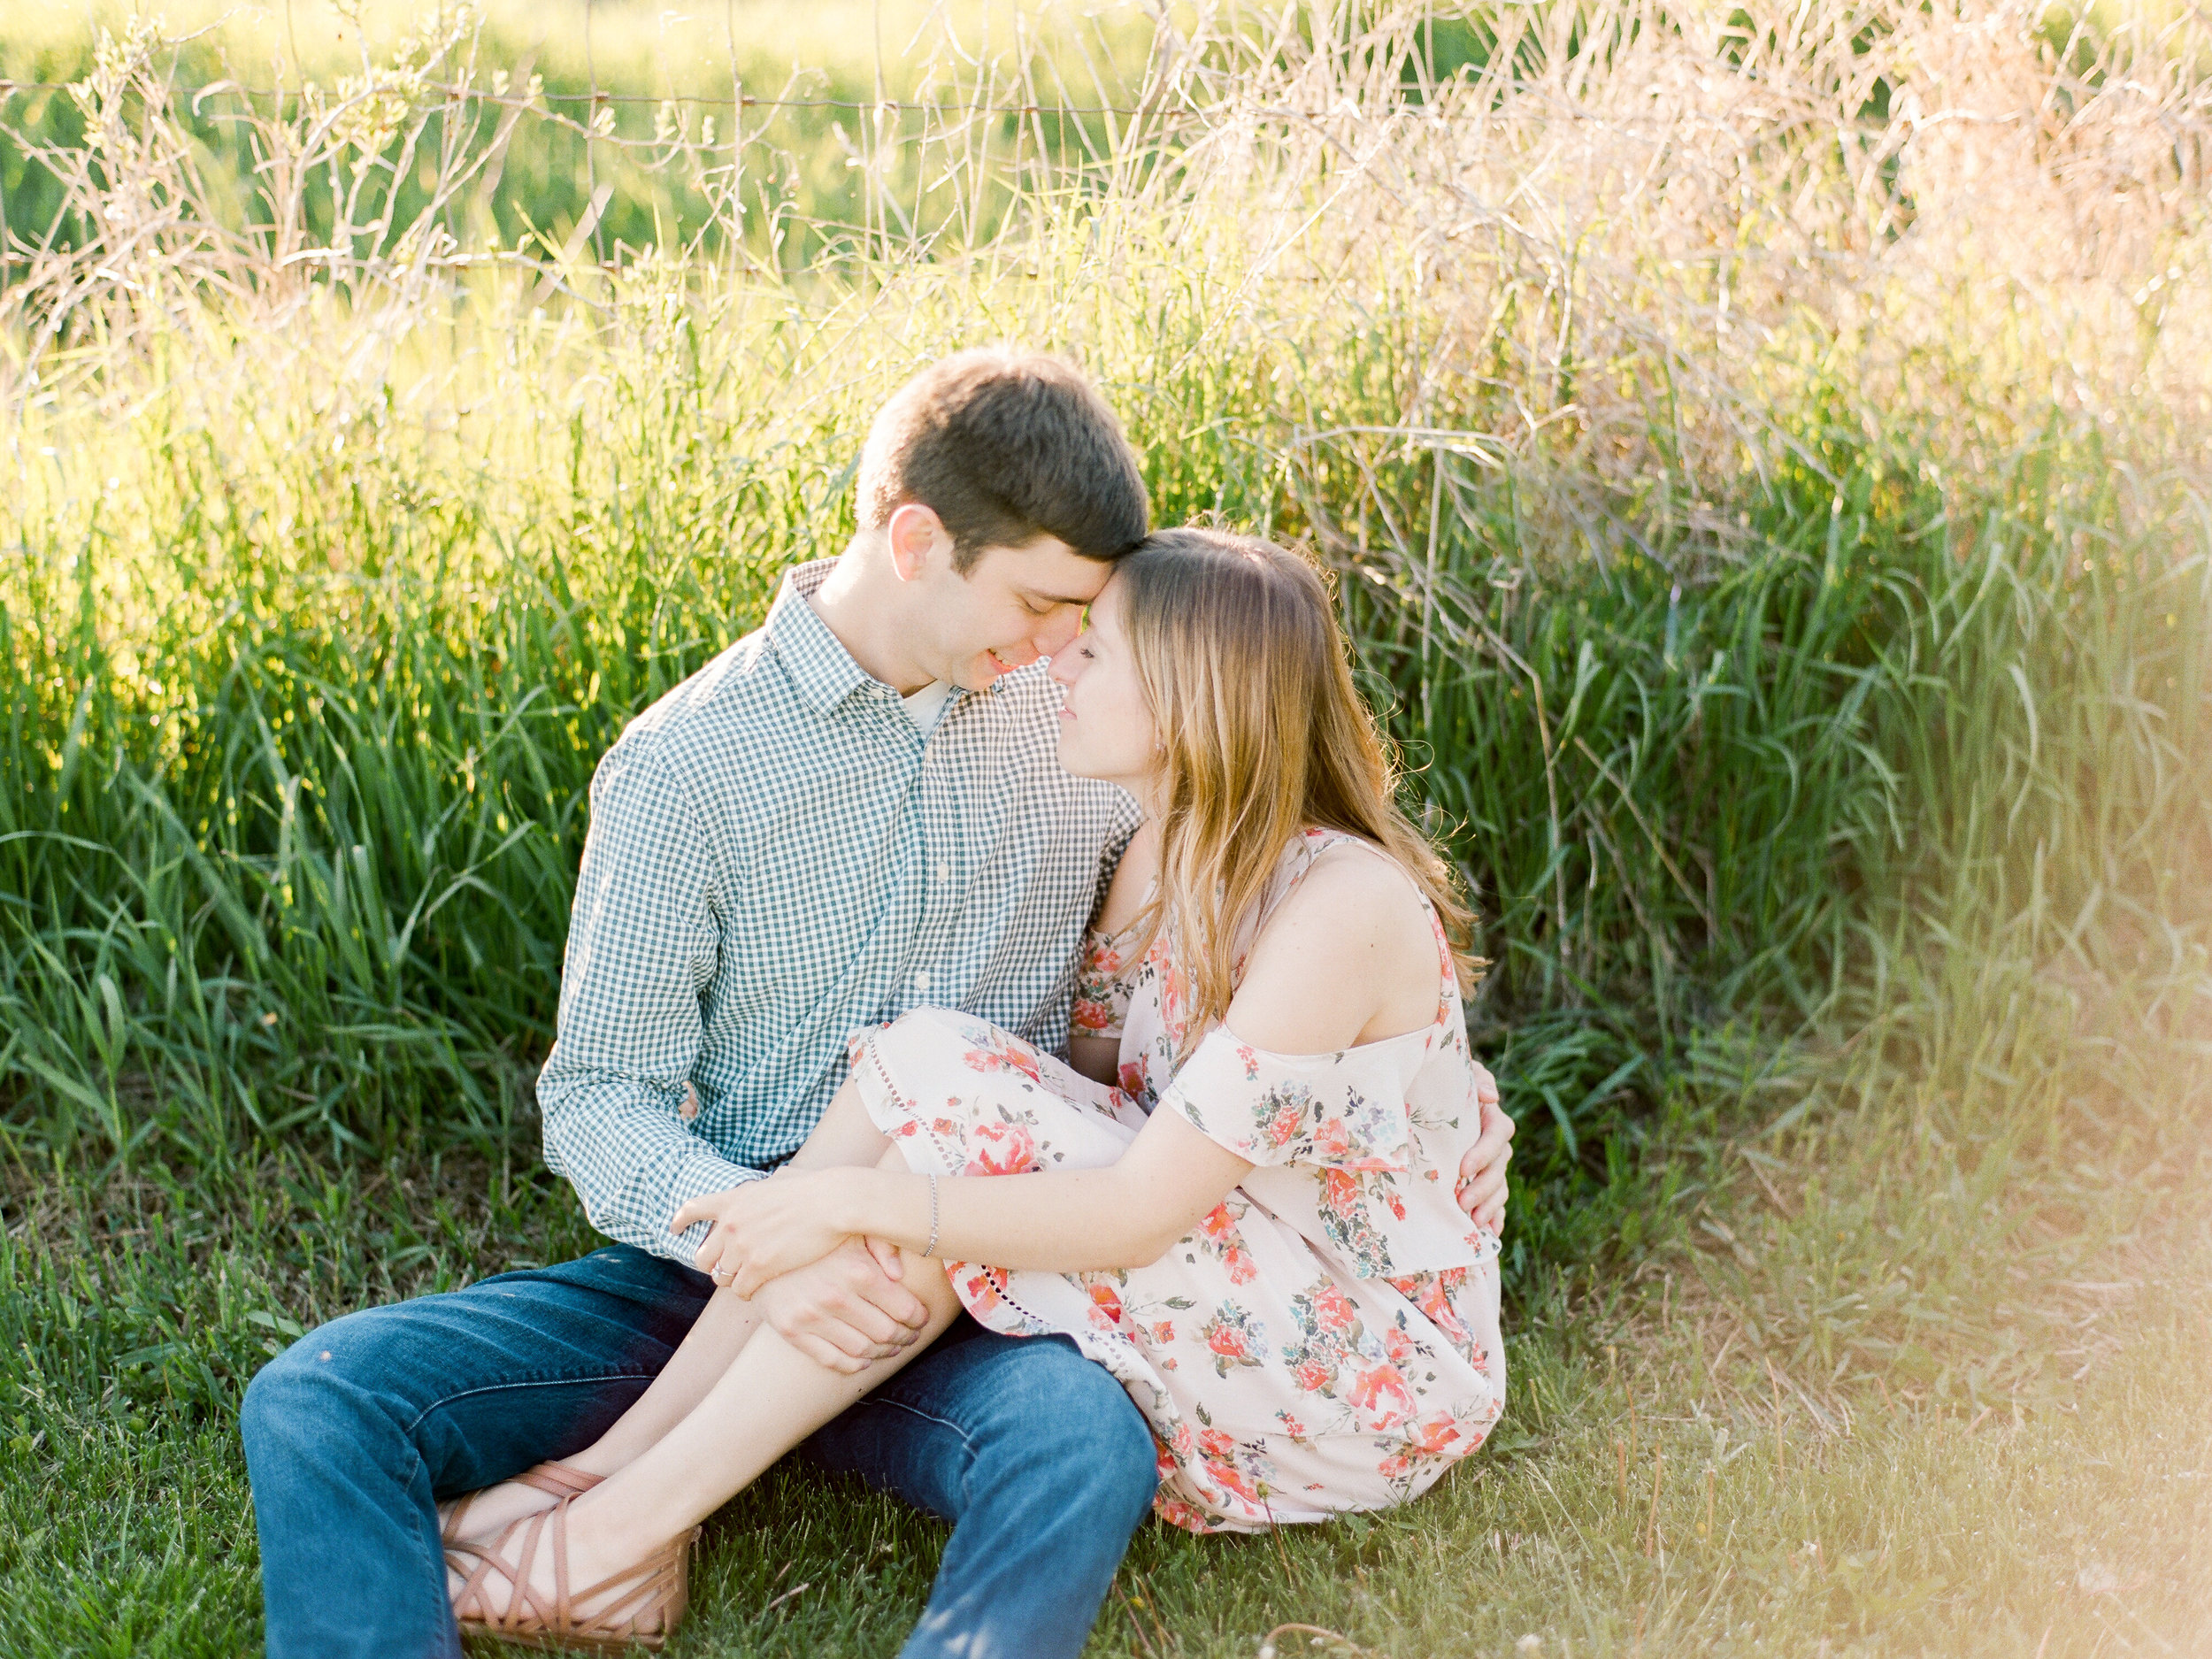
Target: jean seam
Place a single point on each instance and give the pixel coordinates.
(533, 1382)
(436, 1575)
(967, 1443)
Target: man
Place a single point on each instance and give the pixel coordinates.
(854, 811)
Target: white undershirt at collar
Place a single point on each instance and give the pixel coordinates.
(924, 706)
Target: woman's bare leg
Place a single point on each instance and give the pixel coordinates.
(845, 1136)
(767, 1400)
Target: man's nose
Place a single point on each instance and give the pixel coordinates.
(1058, 638)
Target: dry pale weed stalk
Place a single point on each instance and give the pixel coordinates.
(1629, 253)
(357, 278)
(1647, 250)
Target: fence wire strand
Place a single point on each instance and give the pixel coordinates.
(896, 106)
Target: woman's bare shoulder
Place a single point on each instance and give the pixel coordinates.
(1361, 894)
(1348, 956)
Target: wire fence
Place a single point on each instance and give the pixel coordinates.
(864, 176)
(443, 161)
(863, 106)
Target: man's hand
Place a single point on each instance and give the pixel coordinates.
(1482, 1172)
(846, 1310)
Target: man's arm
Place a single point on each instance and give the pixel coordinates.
(1482, 1184)
(642, 944)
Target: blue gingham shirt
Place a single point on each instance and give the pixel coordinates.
(777, 858)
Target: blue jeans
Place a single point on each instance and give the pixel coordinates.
(355, 1434)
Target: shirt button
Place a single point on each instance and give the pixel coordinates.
(942, 872)
(921, 981)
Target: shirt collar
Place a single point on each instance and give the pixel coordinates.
(820, 667)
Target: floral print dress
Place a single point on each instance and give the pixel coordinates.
(1327, 1339)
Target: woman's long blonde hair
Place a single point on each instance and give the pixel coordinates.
(1262, 735)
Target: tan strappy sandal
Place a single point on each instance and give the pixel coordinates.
(556, 1480)
(648, 1598)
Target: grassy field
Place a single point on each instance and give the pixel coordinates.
(1765, 465)
(1915, 1378)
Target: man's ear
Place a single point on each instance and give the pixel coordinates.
(915, 533)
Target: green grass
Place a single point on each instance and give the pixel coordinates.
(1792, 603)
(1913, 1377)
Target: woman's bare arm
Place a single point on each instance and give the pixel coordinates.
(1062, 1221)
(1348, 958)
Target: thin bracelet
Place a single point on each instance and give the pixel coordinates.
(930, 1249)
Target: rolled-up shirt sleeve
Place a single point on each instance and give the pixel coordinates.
(643, 942)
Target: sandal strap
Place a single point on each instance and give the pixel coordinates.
(472, 1602)
(558, 1480)
(658, 1580)
(451, 1532)
(654, 1588)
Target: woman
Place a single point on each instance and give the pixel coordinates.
(1242, 1201)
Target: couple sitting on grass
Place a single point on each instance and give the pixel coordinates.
(831, 928)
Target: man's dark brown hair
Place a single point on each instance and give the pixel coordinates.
(1005, 446)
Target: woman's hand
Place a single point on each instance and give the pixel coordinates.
(764, 1229)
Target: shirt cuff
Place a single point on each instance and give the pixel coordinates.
(703, 1172)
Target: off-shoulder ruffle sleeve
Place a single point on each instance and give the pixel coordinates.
(1340, 1154)
(1291, 1107)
